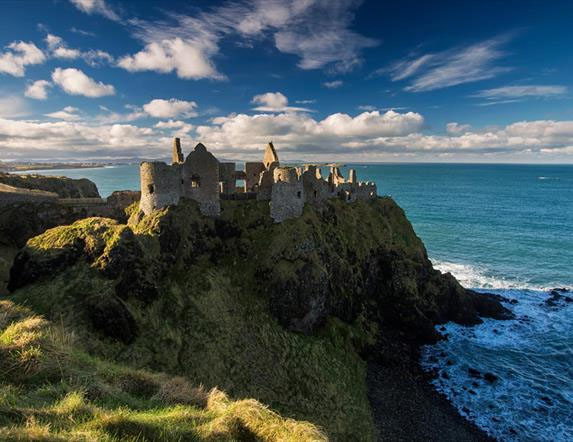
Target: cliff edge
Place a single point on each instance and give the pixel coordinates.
(283, 313)
(62, 186)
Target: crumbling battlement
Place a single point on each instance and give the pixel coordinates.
(202, 178)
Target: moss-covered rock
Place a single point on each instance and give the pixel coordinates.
(278, 312)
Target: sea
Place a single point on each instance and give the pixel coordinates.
(498, 228)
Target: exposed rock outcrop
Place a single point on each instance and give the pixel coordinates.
(62, 186)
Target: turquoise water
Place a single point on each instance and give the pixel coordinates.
(501, 228)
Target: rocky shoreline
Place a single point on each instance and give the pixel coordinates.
(405, 405)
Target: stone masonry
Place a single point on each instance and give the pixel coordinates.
(202, 178)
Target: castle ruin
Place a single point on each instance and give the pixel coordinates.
(203, 178)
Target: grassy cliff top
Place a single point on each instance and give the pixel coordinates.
(278, 313)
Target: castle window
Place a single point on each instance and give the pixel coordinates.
(195, 181)
(299, 194)
(182, 181)
(150, 188)
(315, 193)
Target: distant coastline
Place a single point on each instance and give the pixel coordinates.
(27, 167)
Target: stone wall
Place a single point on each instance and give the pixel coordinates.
(160, 185)
(203, 179)
(253, 172)
(316, 189)
(200, 180)
(287, 195)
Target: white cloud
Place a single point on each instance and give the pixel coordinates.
(19, 55)
(97, 57)
(69, 139)
(407, 68)
(457, 128)
(68, 53)
(82, 32)
(95, 7)
(175, 128)
(522, 91)
(274, 102)
(68, 113)
(38, 90)
(305, 101)
(53, 41)
(335, 84)
(450, 68)
(13, 107)
(116, 117)
(187, 44)
(171, 124)
(59, 49)
(171, 108)
(190, 60)
(75, 82)
(367, 107)
(296, 129)
(368, 136)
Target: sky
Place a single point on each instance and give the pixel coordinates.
(325, 80)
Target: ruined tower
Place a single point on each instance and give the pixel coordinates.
(160, 185)
(200, 180)
(176, 154)
(270, 158)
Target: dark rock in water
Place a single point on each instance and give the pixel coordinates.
(496, 419)
(449, 362)
(547, 400)
(500, 298)
(445, 375)
(472, 392)
(474, 373)
(560, 289)
(512, 431)
(490, 377)
(466, 410)
(556, 298)
(489, 305)
(475, 384)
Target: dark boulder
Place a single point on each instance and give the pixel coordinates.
(111, 316)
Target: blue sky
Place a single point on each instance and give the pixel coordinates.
(324, 79)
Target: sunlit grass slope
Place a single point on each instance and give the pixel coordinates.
(52, 390)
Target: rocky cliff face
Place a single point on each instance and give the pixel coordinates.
(279, 312)
(64, 187)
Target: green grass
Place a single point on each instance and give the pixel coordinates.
(211, 323)
(51, 390)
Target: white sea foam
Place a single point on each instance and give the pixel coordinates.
(474, 277)
(533, 398)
